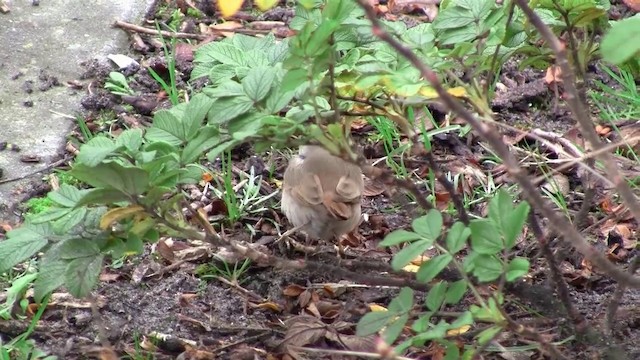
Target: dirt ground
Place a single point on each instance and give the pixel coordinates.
(149, 296)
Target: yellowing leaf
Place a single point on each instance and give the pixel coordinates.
(458, 331)
(229, 7)
(457, 92)
(411, 268)
(376, 308)
(265, 5)
(420, 259)
(428, 92)
(116, 214)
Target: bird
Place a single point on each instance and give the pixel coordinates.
(321, 193)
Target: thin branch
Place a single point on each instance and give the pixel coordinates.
(529, 191)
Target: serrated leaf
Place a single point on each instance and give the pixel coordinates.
(208, 137)
(403, 302)
(195, 113)
(226, 109)
(67, 196)
(69, 220)
(488, 334)
(456, 291)
(117, 214)
(51, 272)
(410, 252)
(398, 236)
(615, 46)
(77, 248)
(373, 322)
(102, 196)
(82, 275)
(130, 180)
(22, 243)
(518, 267)
(428, 226)
(131, 139)
(95, 150)
(430, 269)
(457, 237)
(394, 329)
(166, 128)
(229, 7)
(514, 222)
(485, 238)
(436, 296)
(487, 268)
(258, 82)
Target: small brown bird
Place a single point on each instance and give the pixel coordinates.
(321, 193)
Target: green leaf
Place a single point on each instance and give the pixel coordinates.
(102, 196)
(77, 248)
(373, 322)
(488, 334)
(227, 54)
(195, 113)
(51, 272)
(22, 243)
(339, 10)
(82, 275)
(518, 267)
(226, 109)
(410, 252)
(398, 236)
(394, 329)
(319, 41)
(457, 237)
(487, 268)
(436, 296)
(278, 100)
(208, 137)
(430, 269)
(403, 302)
(166, 128)
(258, 82)
(130, 180)
(465, 319)
(456, 291)
(131, 139)
(615, 46)
(514, 222)
(428, 226)
(67, 196)
(95, 150)
(69, 220)
(453, 18)
(293, 79)
(485, 238)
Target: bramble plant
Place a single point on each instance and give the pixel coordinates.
(480, 251)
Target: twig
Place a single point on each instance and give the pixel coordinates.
(612, 308)
(579, 322)
(356, 354)
(48, 167)
(578, 109)
(529, 191)
(144, 30)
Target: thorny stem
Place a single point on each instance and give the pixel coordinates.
(531, 193)
(578, 108)
(612, 308)
(579, 321)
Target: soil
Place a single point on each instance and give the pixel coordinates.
(147, 296)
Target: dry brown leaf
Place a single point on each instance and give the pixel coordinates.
(553, 75)
(227, 25)
(354, 343)
(293, 290)
(372, 188)
(269, 306)
(303, 330)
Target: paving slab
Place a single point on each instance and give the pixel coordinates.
(38, 45)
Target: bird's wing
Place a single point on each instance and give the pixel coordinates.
(308, 189)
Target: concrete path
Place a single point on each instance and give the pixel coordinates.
(50, 39)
